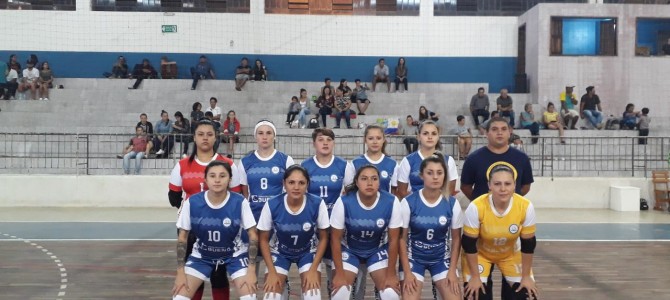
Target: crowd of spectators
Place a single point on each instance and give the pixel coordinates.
(36, 78)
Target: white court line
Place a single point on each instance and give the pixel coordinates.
(61, 268)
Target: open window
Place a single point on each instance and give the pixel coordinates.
(652, 37)
(583, 36)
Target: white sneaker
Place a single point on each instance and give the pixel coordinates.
(46, 99)
(159, 152)
(41, 99)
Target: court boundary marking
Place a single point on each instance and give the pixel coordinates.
(56, 260)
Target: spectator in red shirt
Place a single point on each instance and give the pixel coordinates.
(136, 149)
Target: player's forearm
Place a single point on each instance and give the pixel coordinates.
(265, 251)
(336, 248)
(393, 251)
(404, 257)
(471, 259)
(455, 248)
(253, 246)
(182, 241)
(321, 249)
(467, 190)
(526, 264)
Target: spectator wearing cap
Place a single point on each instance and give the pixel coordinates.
(590, 109)
(568, 111)
(143, 71)
(119, 70)
(203, 70)
(360, 97)
(242, 74)
(29, 80)
(381, 74)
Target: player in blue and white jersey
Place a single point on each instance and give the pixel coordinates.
(292, 230)
(328, 173)
(218, 218)
(366, 226)
(429, 220)
(375, 155)
(262, 171)
(429, 142)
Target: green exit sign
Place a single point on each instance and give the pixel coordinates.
(169, 28)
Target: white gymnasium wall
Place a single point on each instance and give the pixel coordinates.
(257, 33)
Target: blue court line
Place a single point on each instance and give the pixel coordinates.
(168, 231)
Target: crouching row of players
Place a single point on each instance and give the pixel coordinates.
(366, 226)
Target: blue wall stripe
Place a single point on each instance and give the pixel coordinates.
(497, 71)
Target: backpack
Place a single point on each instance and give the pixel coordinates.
(643, 204)
(313, 123)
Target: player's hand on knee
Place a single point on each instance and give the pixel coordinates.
(272, 284)
(250, 282)
(392, 283)
(529, 284)
(311, 281)
(180, 283)
(339, 281)
(410, 284)
(473, 288)
(452, 282)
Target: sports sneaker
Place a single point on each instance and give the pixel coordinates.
(119, 156)
(46, 99)
(159, 152)
(41, 99)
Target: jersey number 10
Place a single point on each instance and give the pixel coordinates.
(214, 236)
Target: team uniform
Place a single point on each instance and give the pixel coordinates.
(365, 229)
(189, 177)
(430, 228)
(479, 161)
(294, 235)
(411, 165)
(498, 234)
(218, 231)
(328, 180)
(387, 166)
(264, 177)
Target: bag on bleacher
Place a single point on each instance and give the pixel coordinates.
(313, 123)
(643, 204)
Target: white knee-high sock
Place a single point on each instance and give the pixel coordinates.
(248, 297)
(389, 294)
(180, 297)
(312, 295)
(343, 293)
(272, 296)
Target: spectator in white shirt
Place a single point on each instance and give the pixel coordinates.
(381, 74)
(12, 84)
(29, 80)
(216, 111)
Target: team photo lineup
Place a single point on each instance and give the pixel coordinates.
(341, 221)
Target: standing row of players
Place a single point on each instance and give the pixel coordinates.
(297, 209)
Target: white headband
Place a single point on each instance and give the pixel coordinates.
(268, 123)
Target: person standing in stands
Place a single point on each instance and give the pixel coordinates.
(184, 184)
(203, 70)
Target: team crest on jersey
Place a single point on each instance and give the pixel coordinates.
(345, 256)
(275, 170)
(385, 174)
(227, 222)
(333, 178)
(306, 226)
(380, 223)
(513, 229)
(443, 220)
(480, 268)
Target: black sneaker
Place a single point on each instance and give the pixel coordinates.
(361, 114)
(336, 127)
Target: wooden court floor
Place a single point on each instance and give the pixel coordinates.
(145, 270)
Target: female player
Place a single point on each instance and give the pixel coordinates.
(262, 171)
(375, 155)
(408, 173)
(329, 175)
(429, 220)
(185, 180)
(217, 218)
(365, 228)
(493, 224)
(298, 223)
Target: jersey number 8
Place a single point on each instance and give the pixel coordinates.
(264, 183)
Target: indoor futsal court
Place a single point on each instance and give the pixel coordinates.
(129, 254)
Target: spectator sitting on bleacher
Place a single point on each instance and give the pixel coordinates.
(14, 63)
(305, 108)
(325, 104)
(163, 140)
(217, 129)
(142, 71)
(551, 120)
(483, 125)
(29, 80)
(136, 149)
(182, 128)
(381, 74)
(479, 106)
(343, 108)
(203, 70)
(242, 74)
(196, 115)
(4, 71)
(527, 120)
(215, 110)
(168, 68)
(360, 97)
(148, 130)
(643, 126)
(666, 48)
(45, 80)
(505, 106)
(119, 70)
(401, 74)
(464, 137)
(568, 111)
(629, 120)
(410, 130)
(326, 83)
(260, 72)
(344, 87)
(231, 132)
(293, 110)
(425, 114)
(590, 109)
(12, 84)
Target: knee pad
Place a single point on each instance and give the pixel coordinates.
(312, 295)
(180, 297)
(389, 294)
(343, 293)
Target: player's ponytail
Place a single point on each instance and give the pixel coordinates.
(353, 187)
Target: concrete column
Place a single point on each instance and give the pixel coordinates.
(426, 8)
(83, 5)
(257, 7)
